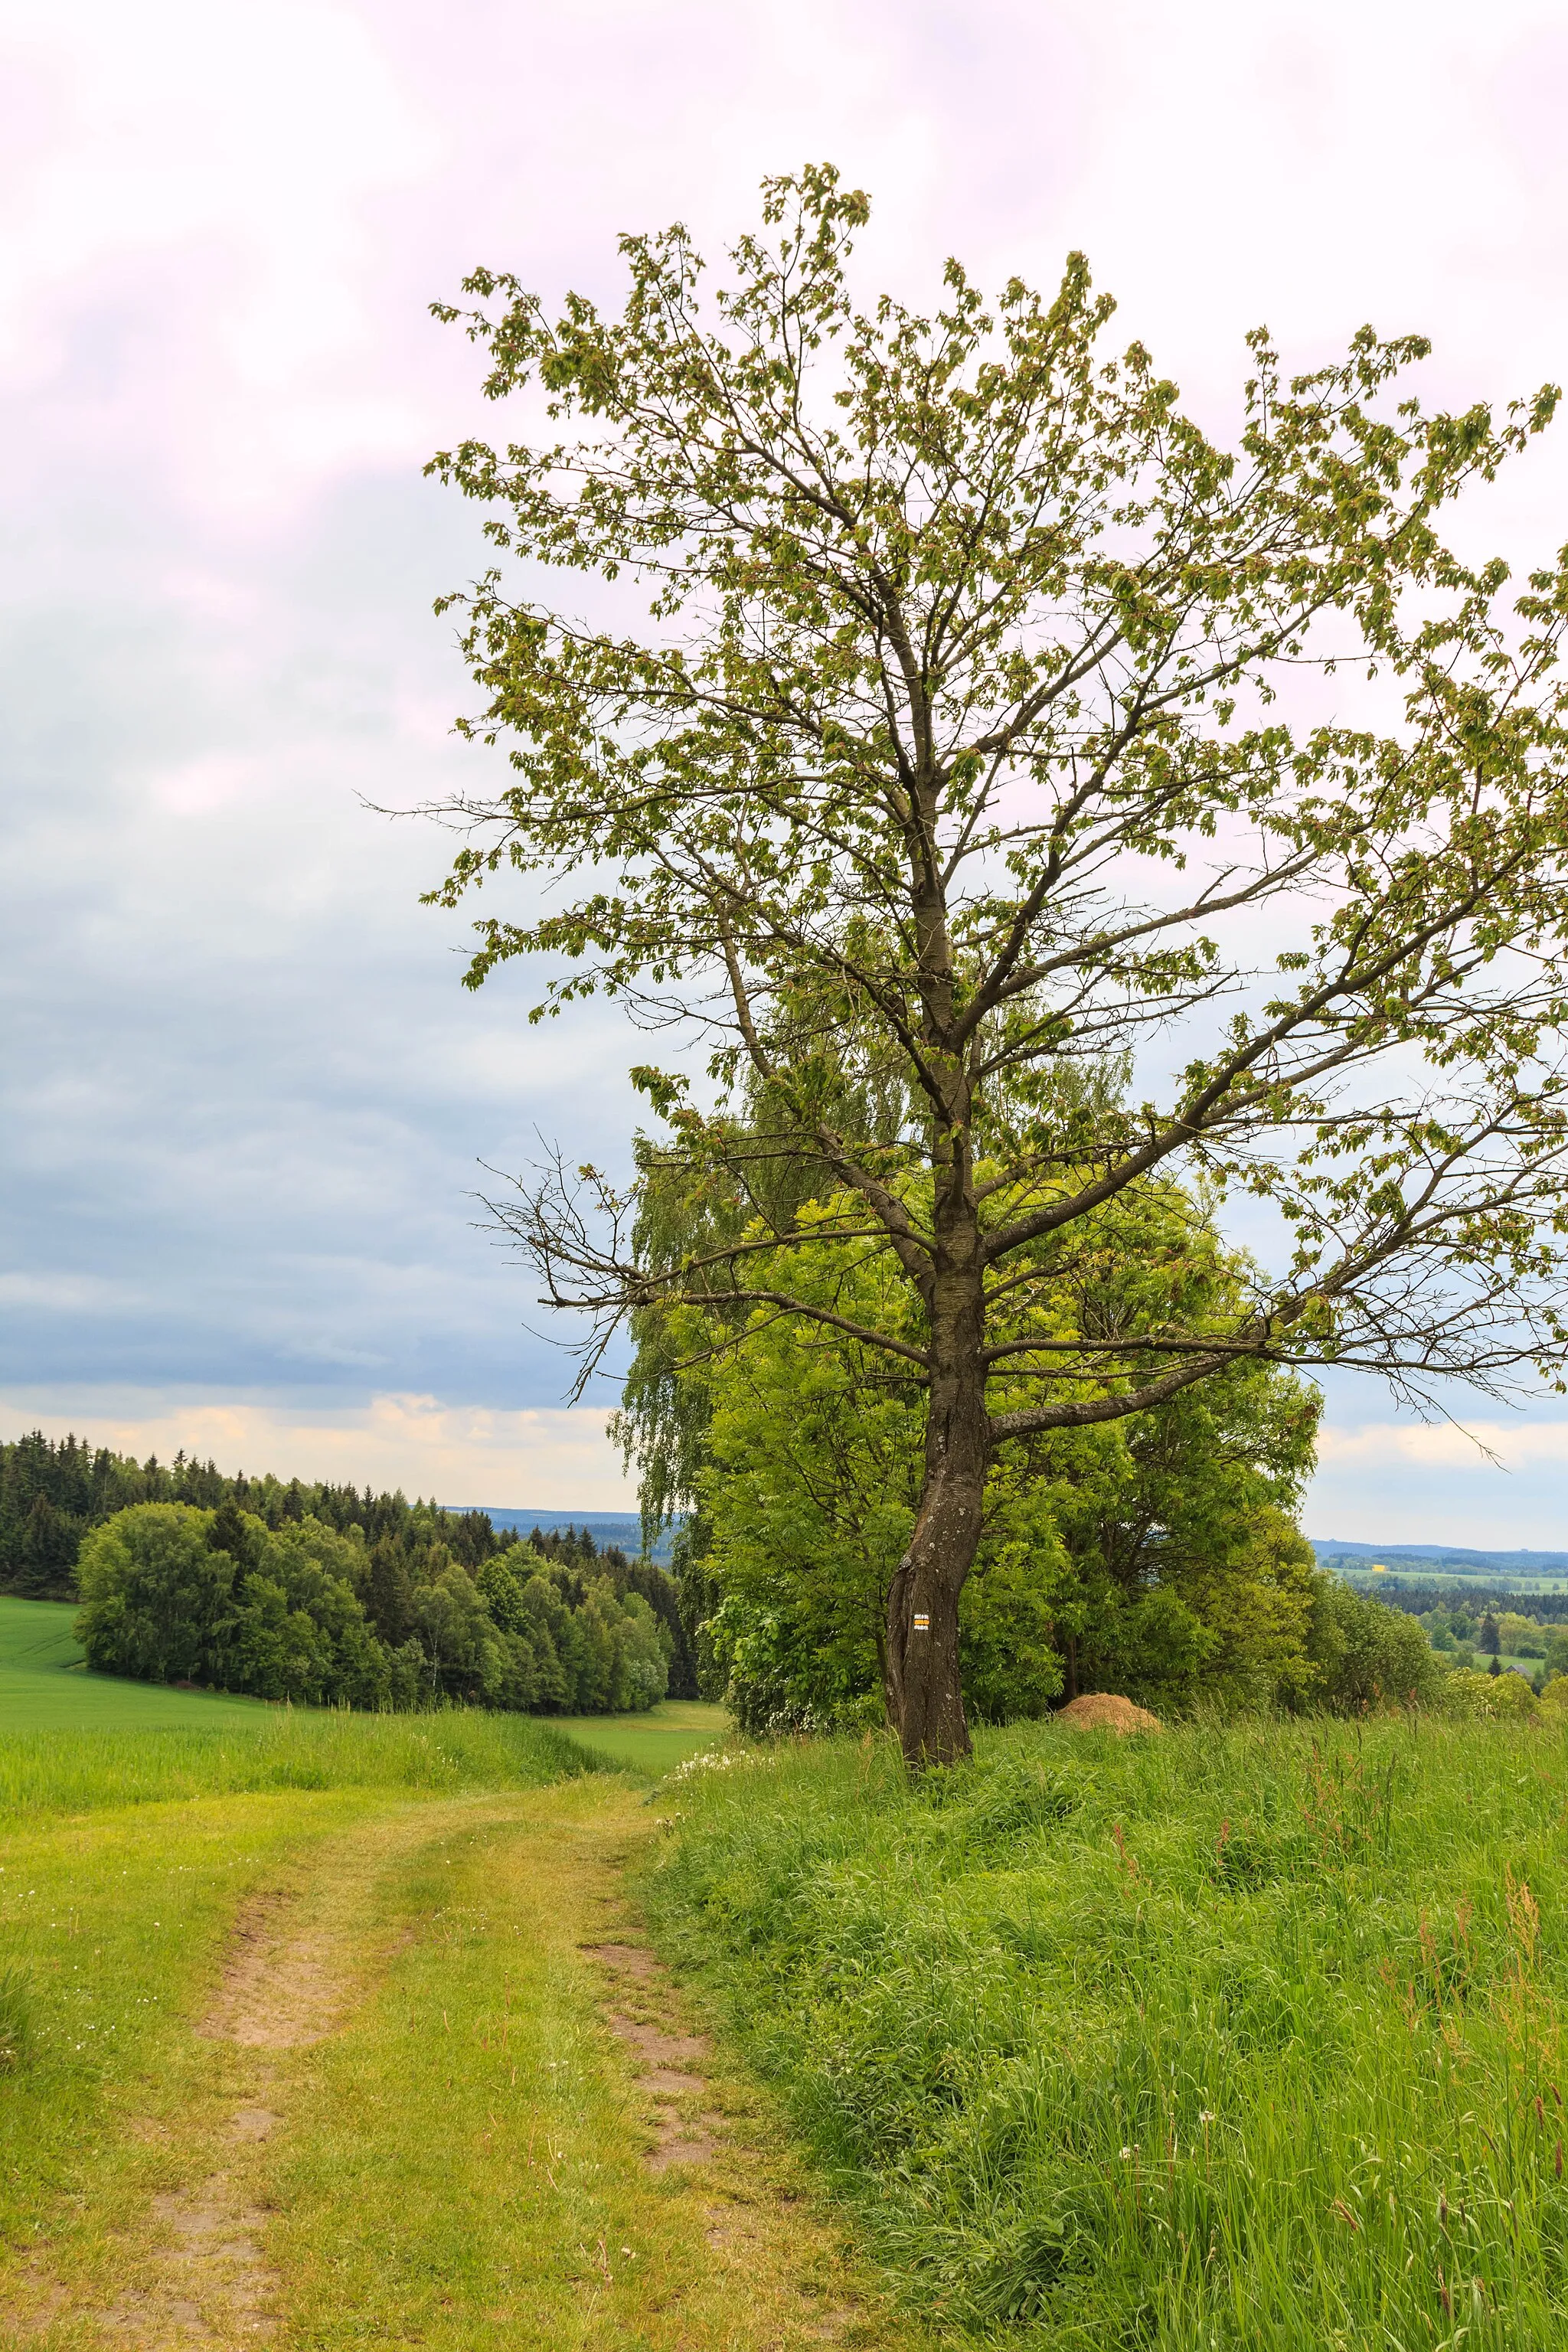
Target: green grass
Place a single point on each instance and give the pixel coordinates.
(1222, 2039)
(651, 1743)
(463, 2167)
(43, 1686)
(73, 1741)
(124, 1854)
(109, 1928)
(459, 2163)
(80, 1772)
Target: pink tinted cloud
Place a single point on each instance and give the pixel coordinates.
(228, 222)
(220, 228)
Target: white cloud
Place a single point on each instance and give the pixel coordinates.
(1499, 1487)
(71, 1294)
(1474, 1446)
(544, 1459)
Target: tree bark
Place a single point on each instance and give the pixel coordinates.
(924, 1691)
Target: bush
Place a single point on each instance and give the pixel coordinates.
(1504, 1697)
(1362, 1655)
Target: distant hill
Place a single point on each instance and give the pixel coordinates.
(622, 1528)
(1442, 1559)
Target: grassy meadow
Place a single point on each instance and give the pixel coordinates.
(457, 2153)
(1245, 2037)
(42, 1687)
(71, 1740)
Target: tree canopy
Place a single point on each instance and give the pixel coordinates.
(962, 715)
(1155, 1556)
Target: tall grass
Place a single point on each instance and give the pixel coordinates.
(81, 1771)
(1226, 2038)
(16, 2014)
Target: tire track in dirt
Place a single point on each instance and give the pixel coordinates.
(214, 2285)
(284, 1985)
(643, 2008)
(723, 2205)
(666, 2065)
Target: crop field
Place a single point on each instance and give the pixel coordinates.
(1223, 2038)
(91, 1748)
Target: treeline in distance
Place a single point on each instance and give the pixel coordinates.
(321, 1593)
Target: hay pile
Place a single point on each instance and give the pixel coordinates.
(1103, 1711)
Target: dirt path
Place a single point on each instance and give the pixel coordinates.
(443, 2093)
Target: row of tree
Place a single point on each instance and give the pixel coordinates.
(171, 1593)
(1432, 1602)
(53, 1495)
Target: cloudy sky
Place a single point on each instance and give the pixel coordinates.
(243, 1099)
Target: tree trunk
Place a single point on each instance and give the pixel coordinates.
(924, 1693)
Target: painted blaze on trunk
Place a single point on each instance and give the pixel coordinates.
(950, 757)
(924, 1682)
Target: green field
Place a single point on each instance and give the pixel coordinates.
(651, 1743)
(44, 1688)
(302, 2035)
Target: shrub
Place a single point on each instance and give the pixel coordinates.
(1364, 1654)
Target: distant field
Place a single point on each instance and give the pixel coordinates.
(1484, 1584)
(650, 1743)
(43, 1688)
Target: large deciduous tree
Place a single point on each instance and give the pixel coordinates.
(960, 711)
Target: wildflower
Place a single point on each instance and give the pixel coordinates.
(1205, 2115)
(1127, 2156)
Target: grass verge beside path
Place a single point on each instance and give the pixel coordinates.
(1247, 2038)
(78, 1772)
(124, 1858)
(111, 1928)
